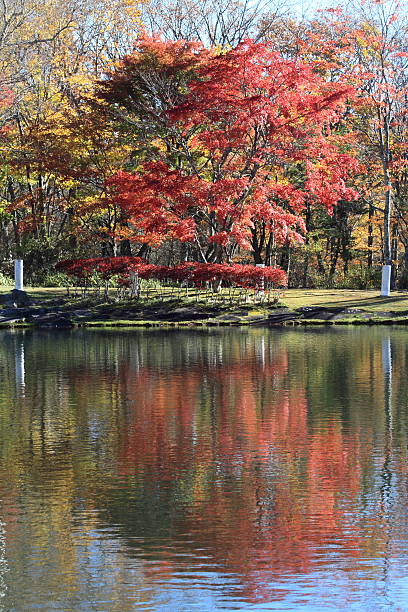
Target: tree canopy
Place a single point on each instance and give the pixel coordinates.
(205, 132)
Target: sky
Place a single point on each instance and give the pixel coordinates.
(310, 6)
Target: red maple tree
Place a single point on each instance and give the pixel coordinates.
(253, 138)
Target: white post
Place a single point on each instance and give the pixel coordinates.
(18, 274)
(386, 281)
(261, 288)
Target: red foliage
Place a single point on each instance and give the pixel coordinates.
(153, 64)
(106, 266)
(190, 272)
(159, 202)
(250, 118)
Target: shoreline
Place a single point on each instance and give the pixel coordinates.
(258, 321)
(50, 309)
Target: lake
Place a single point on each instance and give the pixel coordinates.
(213, 469)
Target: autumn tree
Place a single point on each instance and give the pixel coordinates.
(385, 61)
(245, 138)
(366, 44)
(63, 48)
(192, 147)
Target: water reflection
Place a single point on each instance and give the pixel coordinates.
(386, 506)
(204, 470)
(20, 367)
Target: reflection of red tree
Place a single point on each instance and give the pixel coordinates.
(272, 523)
(160, 437)
(333, 468)
(264, 487)
(267, 490)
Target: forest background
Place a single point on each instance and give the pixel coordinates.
(211, 131)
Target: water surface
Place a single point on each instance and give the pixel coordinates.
(204, 470)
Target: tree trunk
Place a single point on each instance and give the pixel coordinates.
(403, 281)
(308, 222)
(394, 255)
(386, 272)
(144, 251)
(334, 259)
(370, 238)
(387, 224)
(258, 240)
(125, 248)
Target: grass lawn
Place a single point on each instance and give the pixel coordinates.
(294, 298)
(40, 292)
(368, 300)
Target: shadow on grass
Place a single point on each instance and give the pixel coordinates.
(367, 302)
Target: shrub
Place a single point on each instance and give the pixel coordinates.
(361, 277)
(5, 281)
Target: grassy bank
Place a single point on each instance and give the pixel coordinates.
(52, 308)
(293, 298)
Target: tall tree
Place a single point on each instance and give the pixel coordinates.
(369, 44)
(224, 23)
(53, 58)
(225, 153)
